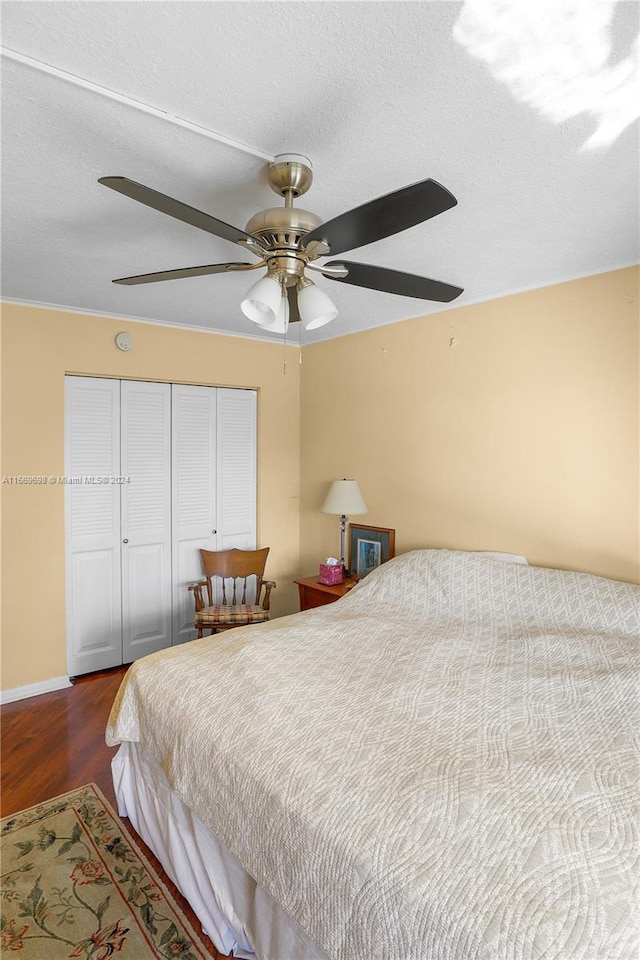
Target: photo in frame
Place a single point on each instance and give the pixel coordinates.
(369, 547)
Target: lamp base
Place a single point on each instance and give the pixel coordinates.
(343, 537)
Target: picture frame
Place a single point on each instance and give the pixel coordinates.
(369, 547)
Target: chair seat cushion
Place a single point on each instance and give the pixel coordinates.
(238, 613)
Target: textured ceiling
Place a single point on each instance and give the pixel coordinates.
(377, 94)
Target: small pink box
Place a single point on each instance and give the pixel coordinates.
(331, 573)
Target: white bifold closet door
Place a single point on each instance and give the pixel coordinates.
(194, 495)
(214, 484)
(92, 521)
(162, 470)
(145, 444)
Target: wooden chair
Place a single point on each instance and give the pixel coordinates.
(236, 608)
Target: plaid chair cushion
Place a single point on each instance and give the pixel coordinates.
(240, 613)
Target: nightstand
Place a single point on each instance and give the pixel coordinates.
(315, 594)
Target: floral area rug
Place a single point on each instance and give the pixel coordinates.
(73, 885)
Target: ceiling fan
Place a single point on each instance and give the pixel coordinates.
(288, 241)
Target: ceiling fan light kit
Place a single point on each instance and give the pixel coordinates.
(315, 307)
(280, 322)
(288, 240)
(263, 301)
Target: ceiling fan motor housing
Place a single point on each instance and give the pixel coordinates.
(283, 228)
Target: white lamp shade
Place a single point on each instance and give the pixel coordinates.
(315, 307)
(344, 498)
(281, 322)
(263, 301)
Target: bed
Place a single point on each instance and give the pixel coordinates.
(441, 766)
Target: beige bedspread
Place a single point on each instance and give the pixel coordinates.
(440, 766)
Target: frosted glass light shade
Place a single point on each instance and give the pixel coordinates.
(315, 307)
(344, 498)
(281, 321)
(263, 301)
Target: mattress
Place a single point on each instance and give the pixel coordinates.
(443, 765)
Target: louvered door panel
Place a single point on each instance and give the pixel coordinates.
(236, 416)
(193, 495)
(92, 524)
(146, 518)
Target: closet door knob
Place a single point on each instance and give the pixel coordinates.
(214, 531)
(125, 541)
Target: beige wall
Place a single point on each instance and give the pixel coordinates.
(38, 348)
(508, 425)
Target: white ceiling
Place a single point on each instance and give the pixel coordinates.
(377, 94)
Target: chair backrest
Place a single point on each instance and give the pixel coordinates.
(236, 565)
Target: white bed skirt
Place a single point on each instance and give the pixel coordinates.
(235, 912)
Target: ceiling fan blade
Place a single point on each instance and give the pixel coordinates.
(393, 281)
(294, 313)
(180, 211)
(383, 217)
(184, 272)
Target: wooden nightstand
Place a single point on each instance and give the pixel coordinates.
(314, 594)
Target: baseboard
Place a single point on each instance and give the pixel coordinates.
(34, 689)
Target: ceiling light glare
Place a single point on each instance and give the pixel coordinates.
(556, 56)
(262, 303)
(315, 307)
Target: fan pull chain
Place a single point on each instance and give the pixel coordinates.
(284, 352)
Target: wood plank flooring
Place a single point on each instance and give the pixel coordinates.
(55, 742)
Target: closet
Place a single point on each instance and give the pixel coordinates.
(153, 473)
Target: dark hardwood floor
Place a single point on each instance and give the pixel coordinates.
(55, 742)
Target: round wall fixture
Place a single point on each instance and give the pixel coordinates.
(124, 341)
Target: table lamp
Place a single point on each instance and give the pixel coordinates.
(344, 499)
